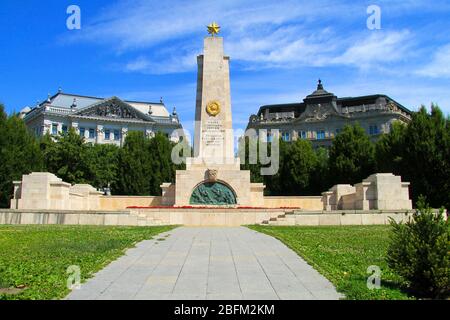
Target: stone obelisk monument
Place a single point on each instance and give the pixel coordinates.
(213, 141)
(213, 176)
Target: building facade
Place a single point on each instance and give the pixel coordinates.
(100, 120)
(322, 115)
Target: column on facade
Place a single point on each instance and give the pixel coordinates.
(74, 125)
(100, 134)
(124, 133)
(47, 127)
(294, 134)
(148, 133)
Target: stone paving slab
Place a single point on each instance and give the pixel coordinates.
(208, 264)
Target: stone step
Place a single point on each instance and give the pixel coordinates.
(283, 222)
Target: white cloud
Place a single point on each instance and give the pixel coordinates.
(284, 47)
(379, 47)
(143, 23)
(165, 37)
(172, 64)
(285, 33)
(439, 65)
(139, 64)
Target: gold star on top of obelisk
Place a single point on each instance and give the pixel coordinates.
(213, 29)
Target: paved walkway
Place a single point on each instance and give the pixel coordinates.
(208, 263)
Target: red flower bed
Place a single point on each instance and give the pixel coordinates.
(205, 208)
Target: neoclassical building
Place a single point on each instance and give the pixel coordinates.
(100, 120)
(322, 115)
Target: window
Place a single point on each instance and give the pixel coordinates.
(286, 136)
(91, 133)
(116, 135)
(64, 128)
(107, 134)
(320, 134)
(269, 137)
(373, 129)
(55, 129)
(303, 135)
(82, 131)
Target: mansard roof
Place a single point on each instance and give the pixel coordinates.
(320, 95)
(66, 100)
(75, 105)
(297, 108)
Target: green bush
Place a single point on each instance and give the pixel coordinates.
(419, 252)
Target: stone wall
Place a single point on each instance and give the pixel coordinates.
(345, 218)
(380, 191)
(309, 203)
(203, 217)
(141, 217)
(43, 190)
(113, 203)
(342, 218)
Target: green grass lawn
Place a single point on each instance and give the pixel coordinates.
(343, 254)
(37, 257)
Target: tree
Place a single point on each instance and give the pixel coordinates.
(162, 167)
(389, 149)
(103, 164)
(420, 153)
(351, 156)
(144, 164)
(302, 171)
(419, 251)
(254, 168)
(426, 157)
(298, 166)
(19, 154)
(134, 166)
(67, 157)
(320, 180)
(275, 183)
(3, 115)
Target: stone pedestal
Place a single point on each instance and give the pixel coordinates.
(381, 191)
(338, 197)
(45, 191)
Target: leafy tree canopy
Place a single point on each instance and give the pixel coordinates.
(66, 157)
(351, 156)
(19, 154)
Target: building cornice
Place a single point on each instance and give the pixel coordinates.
(72, 115)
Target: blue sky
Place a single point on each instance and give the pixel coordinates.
(144, 50)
